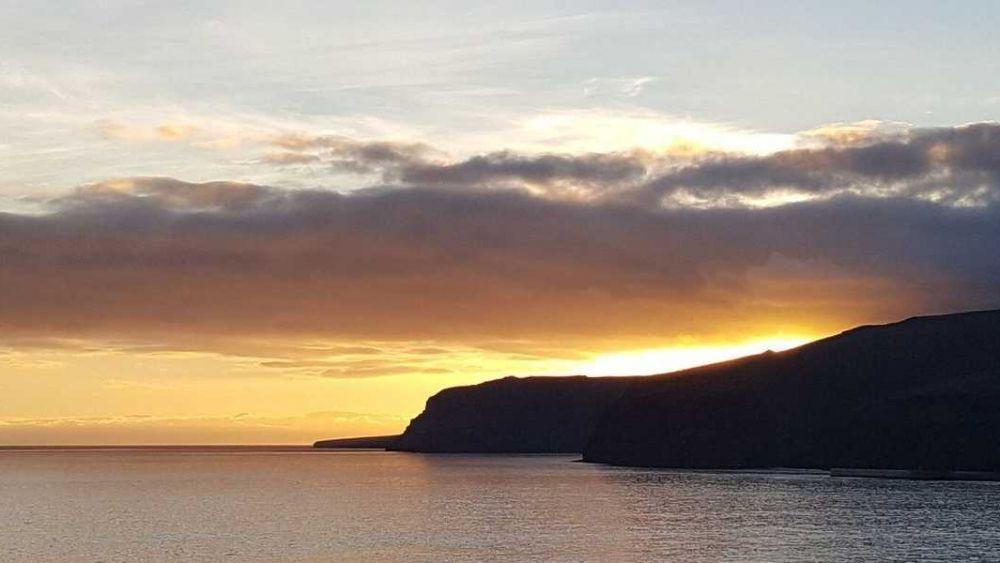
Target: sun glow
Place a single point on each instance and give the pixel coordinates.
(663, 360)
(612, 131)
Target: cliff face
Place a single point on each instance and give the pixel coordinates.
(513, 415)
(923, 393)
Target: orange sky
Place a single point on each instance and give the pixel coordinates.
(108, 396)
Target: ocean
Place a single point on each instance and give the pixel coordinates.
(300, 504)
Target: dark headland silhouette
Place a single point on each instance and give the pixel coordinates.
(524, 415)
(921, 394)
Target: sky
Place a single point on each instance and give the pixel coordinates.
(249, 222)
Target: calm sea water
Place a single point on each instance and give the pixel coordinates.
(304, 505)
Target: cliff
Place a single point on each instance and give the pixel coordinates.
(513, 415)
(922, 393)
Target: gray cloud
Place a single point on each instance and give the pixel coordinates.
(957, 166)
(168, 259)
(500, 167)
(164, 193)
(952, 165)
(347, 154)
(418, 164)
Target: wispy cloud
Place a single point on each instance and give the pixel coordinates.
(166, 131)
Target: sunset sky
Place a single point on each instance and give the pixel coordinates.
(260, 222)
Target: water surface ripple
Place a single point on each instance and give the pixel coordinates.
(286, 504)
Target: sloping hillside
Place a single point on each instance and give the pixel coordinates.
(922, 393)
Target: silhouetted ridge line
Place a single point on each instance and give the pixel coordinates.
(919, 394)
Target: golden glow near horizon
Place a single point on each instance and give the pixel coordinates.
(93, 396)
(663, 360)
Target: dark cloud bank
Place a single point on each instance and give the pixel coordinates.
(904, 225)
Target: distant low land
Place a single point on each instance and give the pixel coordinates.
(919, 396)
(367, 442)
